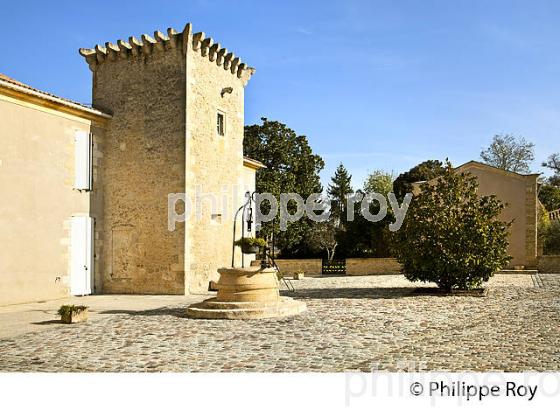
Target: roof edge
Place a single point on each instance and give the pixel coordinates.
(72, 107)
(495, 169)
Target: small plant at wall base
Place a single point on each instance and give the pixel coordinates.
(451, 236)
(72, 313)
(299, 274)
(250, 244)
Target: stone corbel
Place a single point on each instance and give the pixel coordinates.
(89, 55)
(197, 40)
(112, 51)
(234, 64)
(240, 69)
(204, 46)
(148, 44)
(227, 60)
(220, 56)
(100, 53)
(172, 34)
(246, 75)
(161, 40)
(135, 45)
(124, 47)
(213, 51)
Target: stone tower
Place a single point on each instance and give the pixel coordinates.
(166, 94)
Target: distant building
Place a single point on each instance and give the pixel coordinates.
(519, 193)
(84, 205)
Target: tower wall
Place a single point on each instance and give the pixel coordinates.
(214, 162)
(144, 161)
(164, 94)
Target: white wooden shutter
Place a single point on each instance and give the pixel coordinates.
(81, 255)
(82, 160)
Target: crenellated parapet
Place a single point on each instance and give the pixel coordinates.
(145, 46)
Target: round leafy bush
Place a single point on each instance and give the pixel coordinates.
(451, 236)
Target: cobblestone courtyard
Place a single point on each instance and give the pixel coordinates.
(352, 323)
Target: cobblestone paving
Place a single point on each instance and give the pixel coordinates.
(352, 323)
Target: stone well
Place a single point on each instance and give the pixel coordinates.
(246, 293)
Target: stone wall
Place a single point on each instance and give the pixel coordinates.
(311, 267)
(214, 166)
(354, 266)
(372, 266)
(143, 161)
(549, 264)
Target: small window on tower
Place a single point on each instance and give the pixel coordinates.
(221, 123)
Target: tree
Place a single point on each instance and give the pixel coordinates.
(323, 236)
(553, 163)
(338, 189)
(451, 236)
(362, 238)
(379, 181)
(422, 172)
(291, 166)
(365, 239)
(549, 195)
(509, 153)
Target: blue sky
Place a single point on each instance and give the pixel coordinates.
(374, 85)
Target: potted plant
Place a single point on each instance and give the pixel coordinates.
(250, 244)
(299, 274)
(72, 313)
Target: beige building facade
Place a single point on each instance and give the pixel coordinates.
(168, 119)
(39, 199)
(519, 193)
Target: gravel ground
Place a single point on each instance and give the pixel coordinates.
(352, 324)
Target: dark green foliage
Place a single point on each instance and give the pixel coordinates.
(365, 239)
(551, 238)
(549, 195)
(291, 167)
(338, 189)
(451, 236)
(422, 172)
(323, 238)
(67, 310)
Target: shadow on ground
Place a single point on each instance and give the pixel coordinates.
(166, 311)
(366, 293)
(48, 322)
(305, 294)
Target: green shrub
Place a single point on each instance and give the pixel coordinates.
(66, 310)
(551, 238)
(451, 236)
